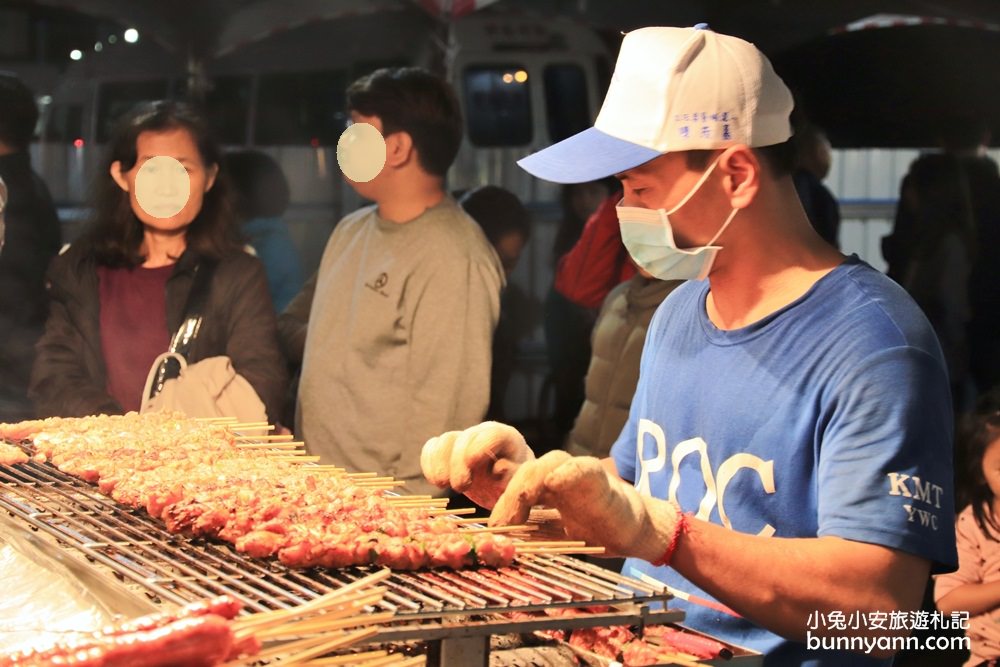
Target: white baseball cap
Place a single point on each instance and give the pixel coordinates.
(674, 89)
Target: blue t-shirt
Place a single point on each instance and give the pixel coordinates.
(831, 416)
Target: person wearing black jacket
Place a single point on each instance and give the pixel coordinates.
(32, 239)
(119, 292)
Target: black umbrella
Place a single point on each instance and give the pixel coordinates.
(899, 86)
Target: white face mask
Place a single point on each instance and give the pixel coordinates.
(649, 239)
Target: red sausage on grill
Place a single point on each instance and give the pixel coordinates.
(197, 634)
(222, 605)
(199, 641)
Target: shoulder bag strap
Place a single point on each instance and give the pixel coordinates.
(201, 285)
(169, 365)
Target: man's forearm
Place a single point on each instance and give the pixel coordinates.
(778, 582)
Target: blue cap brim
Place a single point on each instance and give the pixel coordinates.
(586, 156)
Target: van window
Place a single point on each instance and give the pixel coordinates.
(63, 123)
(118, 97)
(497, 105)
(301, 108)
(566, 109)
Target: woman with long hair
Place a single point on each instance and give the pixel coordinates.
(161, 212)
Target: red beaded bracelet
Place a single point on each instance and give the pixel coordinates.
(679, 528)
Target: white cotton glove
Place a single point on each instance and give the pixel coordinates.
(595, 506)
(478, 461)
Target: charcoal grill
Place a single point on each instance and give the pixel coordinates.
(457, 608)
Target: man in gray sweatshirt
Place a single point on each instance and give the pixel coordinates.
(394, 332)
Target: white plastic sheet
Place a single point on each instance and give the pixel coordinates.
(40, 600)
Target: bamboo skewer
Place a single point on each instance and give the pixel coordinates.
(457, 512)
(296, 459)
(553, 551)
(337, 619)
(320, 624)
(340, 596)
(333, 613)
(311, 647)
(418, 502)
(421, 499)
(523, 528)
(268, 445)
(276, 437)
(373, 578)
(238, 425)
(283, 619)
(384, 486)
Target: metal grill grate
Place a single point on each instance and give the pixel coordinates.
(180, 569)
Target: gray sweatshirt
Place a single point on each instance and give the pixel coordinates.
(397, 327)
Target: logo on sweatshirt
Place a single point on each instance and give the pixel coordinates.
(379, 283)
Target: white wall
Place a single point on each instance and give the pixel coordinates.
(866, 183)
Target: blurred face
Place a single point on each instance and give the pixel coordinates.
(368, 189)
(361, 151)
(167, 184)
(991, 467)
(509, 247)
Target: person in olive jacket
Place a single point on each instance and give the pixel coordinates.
(617, 342)
(118, 294)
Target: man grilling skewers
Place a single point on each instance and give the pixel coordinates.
(788, 449)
